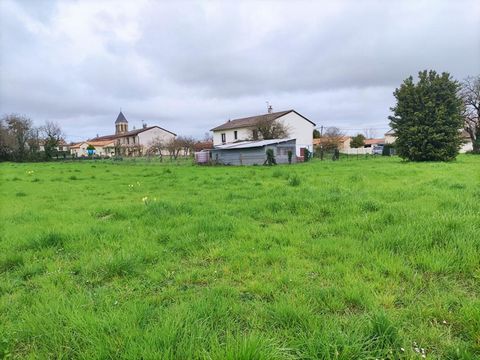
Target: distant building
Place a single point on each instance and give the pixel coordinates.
(368, 143)
(390, 137)
(342, 143)
(62, 146)
(124, 142)
(299, 128)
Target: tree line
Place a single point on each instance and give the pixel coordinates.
(20, 140)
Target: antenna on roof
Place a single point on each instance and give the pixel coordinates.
(269, 107)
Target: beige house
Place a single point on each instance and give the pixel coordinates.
(62, 146)
(343, 143)
(102, 148)
(299, 128)
(125, 142)
(390, 137)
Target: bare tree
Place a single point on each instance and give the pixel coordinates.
(174, 146)
(156, 147)
(52, 136)
(187, 143)
(270, 129)
(207, 137)
(370, 133)
(470, 94)
(332, 138)
(16, 132)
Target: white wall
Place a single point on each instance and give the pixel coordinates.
(468, 146)
(146, 137)
(242, 134)
(299, 129)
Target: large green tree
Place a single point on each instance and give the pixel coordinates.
(427, 118)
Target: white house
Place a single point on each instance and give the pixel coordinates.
(127, 143)
(298, 126)
(102, 148)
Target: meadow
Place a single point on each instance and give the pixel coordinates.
(357, 259)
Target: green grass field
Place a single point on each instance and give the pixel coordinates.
(358, 259)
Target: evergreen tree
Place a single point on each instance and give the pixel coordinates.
(427, 118)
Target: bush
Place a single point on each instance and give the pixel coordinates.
(270, 158)
(307, 155)
(388, 150)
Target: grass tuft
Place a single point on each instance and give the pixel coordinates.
(294, 180)
(10, 262)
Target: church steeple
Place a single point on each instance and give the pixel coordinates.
(121, 124)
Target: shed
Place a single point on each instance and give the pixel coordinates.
(254, 152)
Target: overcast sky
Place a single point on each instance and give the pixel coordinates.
(189, 66)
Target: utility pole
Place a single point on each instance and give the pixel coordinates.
(321, 143)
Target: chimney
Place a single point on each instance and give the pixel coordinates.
(144, 125)
(270, 109)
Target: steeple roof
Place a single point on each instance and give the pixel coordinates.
(121, 119)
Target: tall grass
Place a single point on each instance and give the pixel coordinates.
(322, 260)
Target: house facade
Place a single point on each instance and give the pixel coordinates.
(244, 129)
(124, 142)
(102, 148)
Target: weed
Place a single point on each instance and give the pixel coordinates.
(48, 240)
(10, 262)
(294, 180)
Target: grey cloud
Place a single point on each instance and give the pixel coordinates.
(190, 65)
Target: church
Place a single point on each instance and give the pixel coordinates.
(124, 142)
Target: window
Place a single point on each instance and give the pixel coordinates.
(224, 138)
(255, 134)
(235, 135)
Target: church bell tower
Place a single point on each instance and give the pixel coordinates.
(121, 124)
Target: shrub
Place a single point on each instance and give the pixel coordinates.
(270, 158)
(388, 149)
(307, 155)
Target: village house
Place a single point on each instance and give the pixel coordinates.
(245, 129)
(124, 142)
(62, 146)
